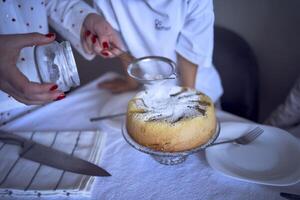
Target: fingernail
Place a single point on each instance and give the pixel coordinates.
(60, 97)
(87, 33)
(50, 35)
(104, 53)
(94, 39)
(105, 45)
(54, 87)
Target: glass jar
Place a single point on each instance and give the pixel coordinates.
(55, 63)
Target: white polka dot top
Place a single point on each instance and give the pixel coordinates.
(25, 16)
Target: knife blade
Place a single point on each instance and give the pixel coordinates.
(48, 156)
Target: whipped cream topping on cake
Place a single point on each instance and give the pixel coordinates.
(170, 104)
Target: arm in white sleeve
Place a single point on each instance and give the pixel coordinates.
(67, 17)
(287, 115)
(195, 41)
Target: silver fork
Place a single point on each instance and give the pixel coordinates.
(244, 139)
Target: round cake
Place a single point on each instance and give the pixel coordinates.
(171, 120)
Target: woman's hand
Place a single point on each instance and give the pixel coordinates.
(119, 85)
(187, 71)
(124, 84)
(12, 81)
(99, 37)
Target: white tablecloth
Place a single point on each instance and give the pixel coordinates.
(136, 175)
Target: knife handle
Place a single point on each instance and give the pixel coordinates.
(10, 138)
(290, 196)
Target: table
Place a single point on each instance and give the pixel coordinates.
(136, 175)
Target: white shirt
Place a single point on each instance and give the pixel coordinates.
(21, 16)
(287, 114)
(164, 28)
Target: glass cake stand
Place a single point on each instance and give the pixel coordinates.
(167, 158)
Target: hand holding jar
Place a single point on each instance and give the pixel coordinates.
(97, 36)
(12, 81)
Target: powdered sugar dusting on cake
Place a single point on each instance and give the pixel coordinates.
(170, 104)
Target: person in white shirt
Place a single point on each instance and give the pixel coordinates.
(24, 24)
(180, 30)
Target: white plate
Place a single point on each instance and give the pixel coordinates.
(272, 159)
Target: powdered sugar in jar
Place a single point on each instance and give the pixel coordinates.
(56, 64)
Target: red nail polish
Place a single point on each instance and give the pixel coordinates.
(54, 87)
(49, 35)
(94, 39)
(87, 33)
(105, 45)
(104, 53)
(60, 97)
